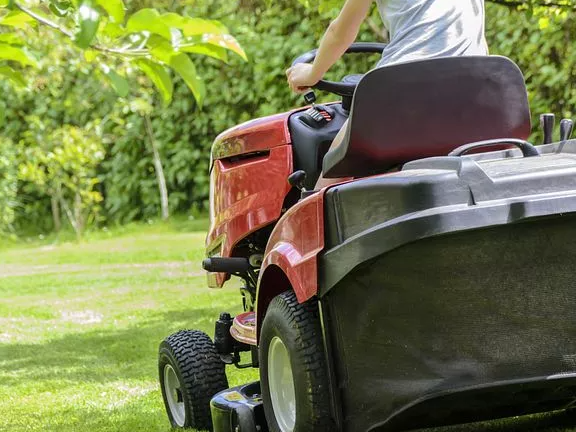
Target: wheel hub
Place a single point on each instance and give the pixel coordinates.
(173, 390)
(281, 382)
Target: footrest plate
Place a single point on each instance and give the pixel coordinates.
(244, 328)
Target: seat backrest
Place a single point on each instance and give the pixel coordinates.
(428, 108)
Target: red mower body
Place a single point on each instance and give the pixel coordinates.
(248, 187)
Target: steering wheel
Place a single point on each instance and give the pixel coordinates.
(344, 88)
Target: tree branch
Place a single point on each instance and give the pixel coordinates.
(43, 20)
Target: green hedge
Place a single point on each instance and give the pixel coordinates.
(65, 92)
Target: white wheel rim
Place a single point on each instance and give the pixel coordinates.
(281, 382)
(173, 391)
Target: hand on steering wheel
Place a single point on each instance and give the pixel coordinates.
(301, 77)
(340, 88)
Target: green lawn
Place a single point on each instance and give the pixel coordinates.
(80, 326)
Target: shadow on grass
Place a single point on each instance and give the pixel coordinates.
(101, 355)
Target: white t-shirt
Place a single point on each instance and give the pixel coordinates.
(421, 29)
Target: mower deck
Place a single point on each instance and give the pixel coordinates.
(497, 400)
(240, 408)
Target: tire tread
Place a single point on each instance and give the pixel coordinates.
(202, 371)
(304, 318)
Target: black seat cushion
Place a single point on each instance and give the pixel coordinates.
(428, 108)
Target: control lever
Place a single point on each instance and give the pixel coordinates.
(297, 179)
(310, 97)
(566, 128)
(547, 125)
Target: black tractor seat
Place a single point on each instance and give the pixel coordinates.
(428, 108)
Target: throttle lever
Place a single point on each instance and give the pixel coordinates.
(547, 123)
(566, 128)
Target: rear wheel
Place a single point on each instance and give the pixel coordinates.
(191, 373)
(293, 368)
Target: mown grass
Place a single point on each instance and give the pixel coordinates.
(80, 325)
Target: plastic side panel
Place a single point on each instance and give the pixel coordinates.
(445, 314)
(255, 135)
(295, 244)
(251, 196)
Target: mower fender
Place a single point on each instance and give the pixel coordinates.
(290, 260)
(243, 205)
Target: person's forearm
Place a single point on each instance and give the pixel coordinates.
(333, 45)
(340, 35)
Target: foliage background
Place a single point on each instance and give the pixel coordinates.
(65, 92)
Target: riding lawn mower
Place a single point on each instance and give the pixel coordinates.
(434, 284)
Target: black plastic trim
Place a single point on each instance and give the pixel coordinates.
(330, 353)
(340, 260)
(310, 144)
(239, 409)
(226, 265)
(527, 149)
(411, 416)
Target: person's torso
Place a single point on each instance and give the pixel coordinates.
(421, 29)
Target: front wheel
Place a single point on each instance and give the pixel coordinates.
(190, 373)
(293, 367)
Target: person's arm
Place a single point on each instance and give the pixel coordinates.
(338, 37)
(341, 33)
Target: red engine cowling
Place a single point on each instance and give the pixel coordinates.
(248, 183)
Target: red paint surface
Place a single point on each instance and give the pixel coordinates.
(294, 246)
(256, 135)
(250, 196)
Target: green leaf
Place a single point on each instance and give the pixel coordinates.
(160, 49)
(148, 20)
(60, 8)
(113, 30)
(11, 39)
(159, 77)
(4, 3)
(17, 54)
(90, 55)
(114, 8)
(18, 19)
(199, 26)
(89, 19)
(224, 41)
(182, 64)
(209, 50)
(14, 76)
(118, 82)
(173, 20)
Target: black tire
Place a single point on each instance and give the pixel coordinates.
(200, 373)
(298, 327)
